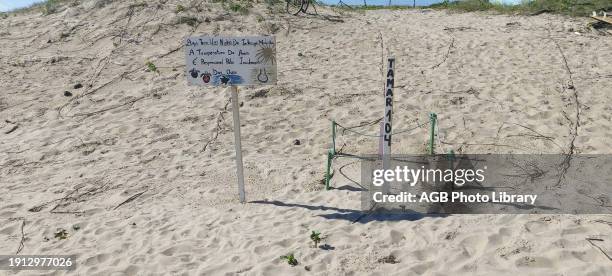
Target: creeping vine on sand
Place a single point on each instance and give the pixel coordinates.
(21, 242)
(574, 125)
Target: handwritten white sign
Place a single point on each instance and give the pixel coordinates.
(237, 61)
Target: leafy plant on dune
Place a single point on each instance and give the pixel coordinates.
(239, 8)
(151, 67)
(275, 6)
(50, 7)
(180, 8)
(189, 20)
(291, 260)
(530, 7)
(315, 236)
(569, 7)
(273, 2)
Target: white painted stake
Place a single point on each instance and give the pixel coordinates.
(381, 140)
(388, 129)
(237, 143)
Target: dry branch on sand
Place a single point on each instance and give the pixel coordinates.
(129, 102)
(22, 240)
(130, 199)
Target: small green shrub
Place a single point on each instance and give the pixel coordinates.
(189, 20)
(273, 2)
(291, 260)
(151, 67)
(50, 7)
(236, 7)
(180, 8)
(137, 5)
(533, 7)
(315, 237)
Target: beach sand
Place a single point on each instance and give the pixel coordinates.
(139, 168)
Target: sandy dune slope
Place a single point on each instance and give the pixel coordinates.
(138, 167)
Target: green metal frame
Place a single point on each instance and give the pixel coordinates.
(331, 153)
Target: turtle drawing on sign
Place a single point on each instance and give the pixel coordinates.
(206, 77)
(227, 79)
(224, 79)
(194, 73)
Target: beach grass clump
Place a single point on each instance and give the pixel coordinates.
(275, 6)
(180, 8)
(189, 20)
(290, 258)
(466, 5)
(376, 7)
(137, 5)
(529, 7)
(273, 2)
(242, 8)
(50, 7)
(568, 7)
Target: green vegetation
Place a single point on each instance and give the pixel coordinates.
(273, 2)
(50, 7)
(275, 6)
(567, 7)
(180, 8)
(137, 5)
(151, 67)
(370, 8)
(240, 8)
(189, 20)
(316, 238)
(528, 7)
(291, 260)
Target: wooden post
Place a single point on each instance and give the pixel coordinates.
(381, 139)
(334, 136)
(237, 142)
(388, 129)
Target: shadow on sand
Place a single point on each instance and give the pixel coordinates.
(352, 215)
(349, 188)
